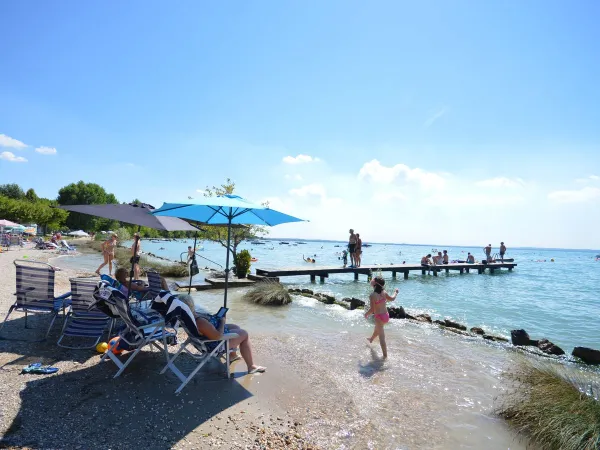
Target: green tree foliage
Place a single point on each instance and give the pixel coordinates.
(86, 194)
(31, 195)
(238, 233)
(40, 212)
(12, 190)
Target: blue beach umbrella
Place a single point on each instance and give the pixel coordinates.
(226, 210)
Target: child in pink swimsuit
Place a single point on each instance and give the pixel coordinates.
(378, 299)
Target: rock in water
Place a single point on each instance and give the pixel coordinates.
(478, 331)
(549, 348)
(521, 337)
(423, 318)
(355, 303)
(588, 355)
(451, 324)
(397, 313)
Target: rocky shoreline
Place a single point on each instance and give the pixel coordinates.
(519, 338)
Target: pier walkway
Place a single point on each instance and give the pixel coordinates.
(324, 271)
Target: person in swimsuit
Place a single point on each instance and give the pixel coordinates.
(445, 257)
(502, 251)
(488, 252)
(358, 251)
(470, 258)
(214, 328)
(136, 250)
(352, 248)
(438, 259)
(108, 251)
(378, 299)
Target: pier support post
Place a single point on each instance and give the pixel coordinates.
(322, 278)
(393, 274)
(422, 272)
(355, 276)
(467, 269)
(462, 270)
(435, 272)
(313, 278)
(492, 270)
(510, 269)
(447, 270)
(406, 274)
(479, 271)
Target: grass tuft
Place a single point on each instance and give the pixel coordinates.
(555, 408)
(269, 293)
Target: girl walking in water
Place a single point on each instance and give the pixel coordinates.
(378, 299)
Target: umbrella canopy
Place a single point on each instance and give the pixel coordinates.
(226, 210)
(133, 214)
(8, 223)
(80, 233)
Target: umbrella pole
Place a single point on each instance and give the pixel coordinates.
(227, 260)
(190, 263)
(135, 240)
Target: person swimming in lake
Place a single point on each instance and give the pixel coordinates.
(309, 260)
(378, 299)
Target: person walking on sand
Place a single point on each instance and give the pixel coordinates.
(136, 250)
(108, 251)
(378, 298)
(352, 248)
(358, 251)
(502, 251)
(488, 252)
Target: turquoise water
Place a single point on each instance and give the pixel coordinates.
(557, 300)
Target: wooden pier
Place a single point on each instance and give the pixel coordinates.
(405, 269)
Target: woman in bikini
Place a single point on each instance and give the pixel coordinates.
(378, 299)
(108, 251)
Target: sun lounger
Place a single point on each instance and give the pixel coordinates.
(135, 334)
(179, 314)
(35, 292)
(84, 319)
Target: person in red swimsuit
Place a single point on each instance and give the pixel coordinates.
(378, 298)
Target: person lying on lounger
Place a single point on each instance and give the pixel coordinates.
(214, 328)
(122, 277)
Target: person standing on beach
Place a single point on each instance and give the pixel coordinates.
(352, 248)
(488, 252)
(502, 251)
(136, 250)
(358, 251)
(378, 298)
(108, 251)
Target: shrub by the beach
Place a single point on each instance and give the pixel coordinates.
(242, 263)
(269, 293)
(554, 408)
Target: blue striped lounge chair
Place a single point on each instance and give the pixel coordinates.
(35, 292)
(84, 319)
(179, 314)
(140, 330)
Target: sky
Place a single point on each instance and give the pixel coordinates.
(457, 123)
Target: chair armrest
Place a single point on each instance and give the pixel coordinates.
(64, 296)
(225, 337)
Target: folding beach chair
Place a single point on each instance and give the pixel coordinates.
(35, 292)
(179, 314)
(84, 319)
(136, 334)
(154, 284)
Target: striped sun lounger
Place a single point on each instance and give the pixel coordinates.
(35, 292)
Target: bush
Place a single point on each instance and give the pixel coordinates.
(269, 293)
(556, 409)
(242, 263)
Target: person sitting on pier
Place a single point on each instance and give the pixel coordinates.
(470, 259)
(445, 257)
(438, 259)
(426, 260)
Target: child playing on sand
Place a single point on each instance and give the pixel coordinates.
(378, 299)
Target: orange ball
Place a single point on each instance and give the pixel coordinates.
(113, 344)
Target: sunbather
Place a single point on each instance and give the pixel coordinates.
(122, 277)
(213, 328)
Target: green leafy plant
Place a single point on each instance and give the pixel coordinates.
(242, 263)
(269, 293)
(556, 407)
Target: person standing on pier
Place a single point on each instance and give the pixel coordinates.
(502, 251)
(445, 257)
(352, 248)
(358, 251)
(488, 252)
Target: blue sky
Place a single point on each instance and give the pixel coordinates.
(459, 122)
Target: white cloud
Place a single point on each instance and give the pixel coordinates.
(576, 196)
(435, 116)
(590, 179)
(46, 150)
(300, 159)
(501, 182)
(315, 190)
(7, 141)
(388, 196)
(378, 173)
(8, 156)
(474, 199)
(296, 177)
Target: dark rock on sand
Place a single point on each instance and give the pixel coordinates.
(587, 355)
(549, 348)
(451, 324)
(328, 299)
(307, 291)
(440, 322)
(397, 313)
(477, 330)
(489, 337)
(356, 303)
(423, 318)
(521, 337)
(457, 331)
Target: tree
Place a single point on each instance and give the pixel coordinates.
(12, 190)
(239, 233)
(41, 212)
(31, 195)
(86, 194)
